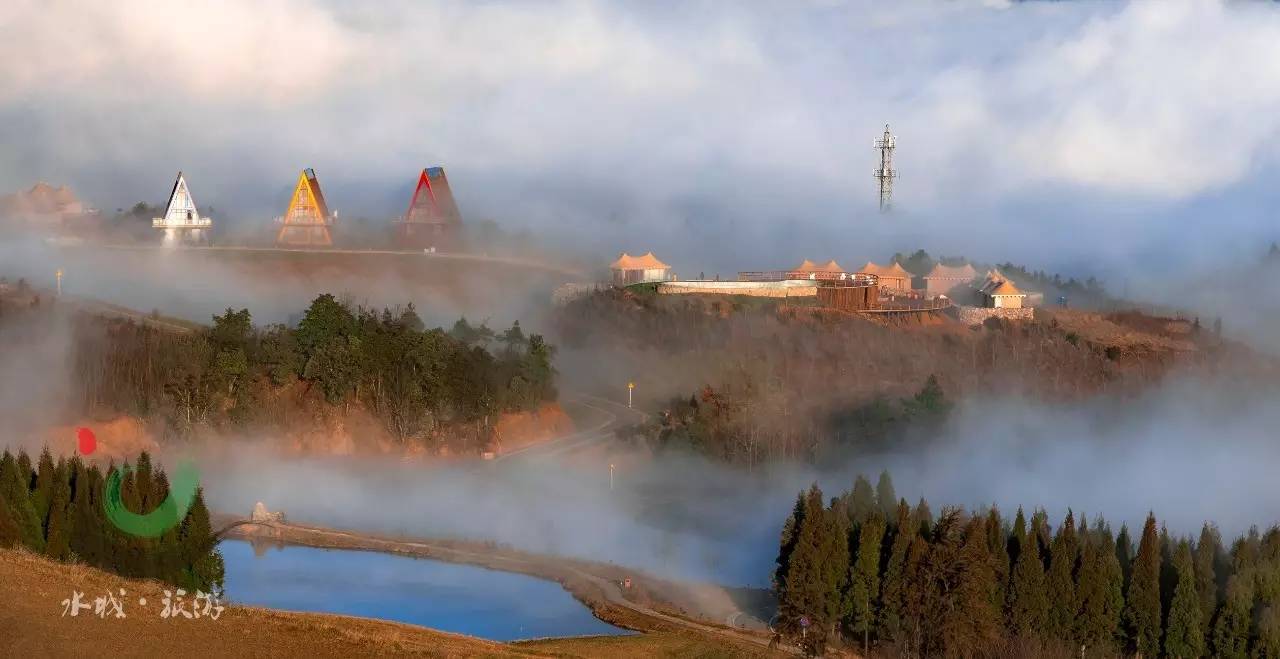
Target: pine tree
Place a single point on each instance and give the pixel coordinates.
(1124, 552)
(1060, 581)
(864, 579)
(1142, 605)
(1101, 599)
(199, 548)
(15, 479)
(787, 545)
(88, 540)
(42, 497)
(889, 623)
(862, 502)
(1184, 636)
(1017, 539)
(997, 547)
(1028, 600)
(968, 622)
(915, 600)
(813, 577)
(10, 534)
(1231, 627)
(1207, 551)
(58, 536)
(924, 518)
(886, 497)
(1268, 641)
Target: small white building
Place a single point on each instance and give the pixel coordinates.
(629, 269)
(182, 222)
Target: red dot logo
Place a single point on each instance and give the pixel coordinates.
(86, 440)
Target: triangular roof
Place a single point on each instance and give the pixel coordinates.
(1006, 288)
(646, 262)
(893, 270)
(830, 266)
(940, 271)
(181, 209)
(307, 205)
(807, 266)
(432, 200)
(307, 220)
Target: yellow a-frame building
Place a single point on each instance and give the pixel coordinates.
(307, 221)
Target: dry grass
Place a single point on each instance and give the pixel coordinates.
(32, 625)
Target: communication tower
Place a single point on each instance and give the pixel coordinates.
(886, 173)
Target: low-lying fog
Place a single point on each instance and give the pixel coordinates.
(1190, 451)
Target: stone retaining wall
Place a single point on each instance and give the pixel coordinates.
(978, 315)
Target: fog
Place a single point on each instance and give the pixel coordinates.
(1192, 451)
(1133, 142)
(724, 136)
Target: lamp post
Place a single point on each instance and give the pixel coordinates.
(58, 276)
(630, 387)
(610, 476)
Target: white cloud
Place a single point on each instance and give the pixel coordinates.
(754, 113)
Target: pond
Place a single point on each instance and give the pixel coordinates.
(500, 606)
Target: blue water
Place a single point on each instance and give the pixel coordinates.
(499, 606)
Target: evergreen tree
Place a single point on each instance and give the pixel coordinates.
(87, 542)
(1231, 627)
(1207, 551)
(915, 595)
(1100, 593)
(1142, 605)
(967, 621)
(862, 503)
(1268, 640)
(1028, 599)
(42, 497)
(787, 545)
(864, 579)
(886, 497)
(58, 537)
(892, 613)
(1124, 552)
(15, 479)
(1184, 636)
(812, 583)
(1017, 538)
(10, 534)
(997, 547)
(924, 518)
(1060, 580)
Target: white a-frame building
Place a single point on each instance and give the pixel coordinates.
(182, 223)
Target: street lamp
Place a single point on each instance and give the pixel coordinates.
(610, 476)
(58, 275)
(630, 387)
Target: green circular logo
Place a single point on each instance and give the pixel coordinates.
(170, 512)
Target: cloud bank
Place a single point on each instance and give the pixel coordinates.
(1022, 127)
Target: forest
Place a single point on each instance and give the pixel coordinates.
(414, 380)
(56, 509)
(717, 425)
(868, 571)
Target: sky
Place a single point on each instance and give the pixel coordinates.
(1080, 137)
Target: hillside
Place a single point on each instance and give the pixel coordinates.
(794, 381)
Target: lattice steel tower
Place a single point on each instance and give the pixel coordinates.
(886, 173)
